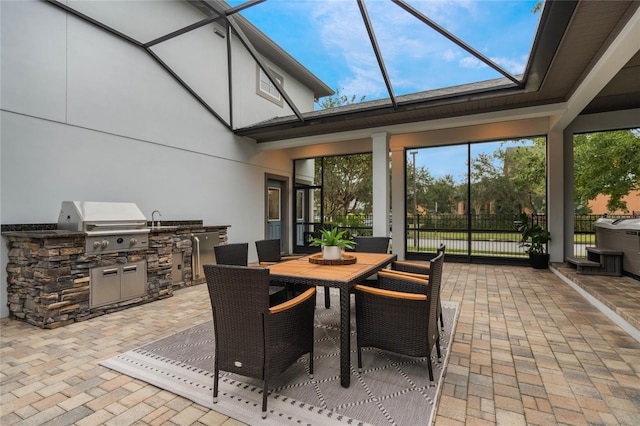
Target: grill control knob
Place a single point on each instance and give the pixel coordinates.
(104, 244)
(133, 241)
(96, 245)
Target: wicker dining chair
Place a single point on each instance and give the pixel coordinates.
(251, 338)
(421, 269)
(232, 254)
(269, 252)
(237, 254)
(401, 315)
(371, 244)
(368, 245)
(413, 267)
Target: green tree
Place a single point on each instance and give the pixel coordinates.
(606, 163)
(346, 184)
(442, 194)
(336, 100)
(423, 181)
(537, 8)
(492, 189)
(525, 165)
(484, 175)
(347, 180)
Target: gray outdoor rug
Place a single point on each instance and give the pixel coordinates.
(391, 390)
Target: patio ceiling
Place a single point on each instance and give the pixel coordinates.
(572, 36)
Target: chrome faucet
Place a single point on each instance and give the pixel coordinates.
(153, 222)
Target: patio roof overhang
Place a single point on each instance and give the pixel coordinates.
(572, 38)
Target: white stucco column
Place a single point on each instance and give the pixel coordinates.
(398, 201)
(555, 194)
(381, 190)
(568, 184)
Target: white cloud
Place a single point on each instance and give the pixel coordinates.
(471, 62)
(450, 55)
(514, 66)
(412, 51)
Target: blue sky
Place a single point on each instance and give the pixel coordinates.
(329, 38)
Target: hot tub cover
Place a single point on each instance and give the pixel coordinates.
(631, 223)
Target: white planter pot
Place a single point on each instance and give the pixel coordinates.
(332, 253)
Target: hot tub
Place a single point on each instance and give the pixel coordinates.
(622, 235)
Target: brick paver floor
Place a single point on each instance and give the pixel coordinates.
(528, 349)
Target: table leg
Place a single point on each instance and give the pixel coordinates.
(327, 298)
(345, 338)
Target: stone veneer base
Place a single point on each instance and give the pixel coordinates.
(48, 273)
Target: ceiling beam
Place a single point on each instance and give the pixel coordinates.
(94, 22)
(256, 56)
(183, 30)
(376, 50)
(141, 45)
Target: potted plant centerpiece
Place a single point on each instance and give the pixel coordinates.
(534, 238)
(332, 242)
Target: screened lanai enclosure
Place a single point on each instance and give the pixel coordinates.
(470, 196)
(253, 100)
(332, 192)
(467, 197)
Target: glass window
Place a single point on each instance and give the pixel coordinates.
(274, 203)
(267, 89)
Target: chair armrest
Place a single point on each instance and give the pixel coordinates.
(412, 267)
(390, 293)
(402, 283)
(415, 278)
(407, 274)
(289, 304)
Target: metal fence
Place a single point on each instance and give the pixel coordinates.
(354, 224)
(486, 235)
(481, 235)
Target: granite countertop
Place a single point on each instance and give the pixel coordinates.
(43, 233)
(49, 230)
(184, 228)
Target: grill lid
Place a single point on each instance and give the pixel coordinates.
(101, 217)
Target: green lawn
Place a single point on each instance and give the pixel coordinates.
(588, 239)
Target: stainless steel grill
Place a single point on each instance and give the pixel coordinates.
(109, 227)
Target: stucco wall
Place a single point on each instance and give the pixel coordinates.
(258, 109)
(86, 116)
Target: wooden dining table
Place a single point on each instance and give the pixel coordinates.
(343, 277)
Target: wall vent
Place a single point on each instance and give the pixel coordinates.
(219, 30)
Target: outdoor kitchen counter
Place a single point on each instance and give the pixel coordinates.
(49, 271)
(182, 228)
(44, 233)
